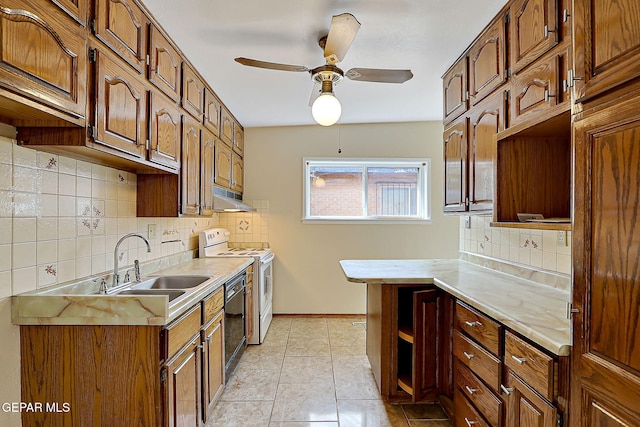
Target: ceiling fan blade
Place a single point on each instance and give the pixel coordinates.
(315, 93)
(270, 65)
(379, 75)
(341, 34)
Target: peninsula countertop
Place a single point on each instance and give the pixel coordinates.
(536, 311)
(81, 304)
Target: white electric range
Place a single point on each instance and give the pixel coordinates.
(214, 242)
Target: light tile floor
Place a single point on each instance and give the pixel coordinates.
(313, 372)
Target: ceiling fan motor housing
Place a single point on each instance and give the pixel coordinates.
(327, 75)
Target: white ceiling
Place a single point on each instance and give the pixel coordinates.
(425, 36)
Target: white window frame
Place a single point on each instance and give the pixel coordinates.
(423, 190)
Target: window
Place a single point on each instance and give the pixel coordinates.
(366, 189)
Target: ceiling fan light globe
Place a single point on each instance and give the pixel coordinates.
(326, 109)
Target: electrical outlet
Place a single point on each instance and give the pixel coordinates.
(467, 222)
(562, 238)
(151, 231)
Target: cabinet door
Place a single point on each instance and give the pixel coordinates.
(535, 90)
(223, 165)
(164, 138)
(43, 55)
(455, 166)
(164, 64)
(190, 171)
(192, 92)
(208, 142)
(607, 44)
(454, 88)
(121, 110)
(606, 357)
(487, 62)
(427, 341)
(212, 111)
(238, 138)
(249, 304)
(77, 9)
(213, 364)
(226, 130)
(237, 172)
(183, 394)
(534, 30)
(525, 408)
(485, 121)
(122, 26)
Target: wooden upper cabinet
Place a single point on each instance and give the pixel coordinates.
(535, 90)
(192, 92)
(122, 26)
(43, 55)
(190, 168)
(207, 162)
(223, 164)
(607, 44)
(76, 9)
(487, 62)
(534, 30)
(455, 166)
(212, 111)
(487, 119)
(121, 106)
(237, 173)
(226, 130)
(238, 138)
(164, 64)
(164, 138)
(454, 87)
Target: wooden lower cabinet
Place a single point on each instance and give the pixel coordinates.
(213, 379)
(182, 379)
(525, 408)
(404, 336)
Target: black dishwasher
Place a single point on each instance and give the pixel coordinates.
(234, 333)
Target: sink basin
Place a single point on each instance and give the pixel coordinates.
(172, 293)
(171, 282)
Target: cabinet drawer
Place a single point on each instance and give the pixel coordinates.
(179, 332)
(532, 365)
(484, 364)
(479, 327)
(479, 394)
(466, 414)
(212, 305)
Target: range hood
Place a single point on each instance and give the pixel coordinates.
(226, 201)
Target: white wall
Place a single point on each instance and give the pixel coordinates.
(308, 278)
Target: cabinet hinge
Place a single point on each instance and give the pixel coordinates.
(92, 25)
(91, 131)
(507, 72)
(163, 375)
(146, 144)
(148, 61)
(92, 55)
(559, 420)
(507, 18)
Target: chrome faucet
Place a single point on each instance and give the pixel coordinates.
(116, 276)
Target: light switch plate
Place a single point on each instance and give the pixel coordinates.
(151, 231)
(467, 222)
(562, 238)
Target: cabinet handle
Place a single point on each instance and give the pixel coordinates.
(471, 390)
(506, 390)
(468, 356)
(519, 360)
(473, 324)
(469, 422)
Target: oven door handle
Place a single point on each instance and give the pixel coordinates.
(268, 259)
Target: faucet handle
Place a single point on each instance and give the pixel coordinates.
(136, 269)
(103, 284)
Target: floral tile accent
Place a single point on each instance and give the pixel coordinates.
(47, 274)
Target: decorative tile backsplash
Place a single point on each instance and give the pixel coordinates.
(60, 219)
(248, 227)
(541, 249)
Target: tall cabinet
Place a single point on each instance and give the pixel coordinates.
(606, 296)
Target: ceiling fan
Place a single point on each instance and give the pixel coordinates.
(326, 108)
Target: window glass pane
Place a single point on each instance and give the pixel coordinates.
(392, 191)
(336, 191)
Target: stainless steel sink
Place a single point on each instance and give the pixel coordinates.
(172, 293)
(171, 282)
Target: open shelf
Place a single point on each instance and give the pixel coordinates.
(404, 382)
(533, 225)
(406, 334)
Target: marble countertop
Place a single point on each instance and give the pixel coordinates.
(74, 304)
(535, 310)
